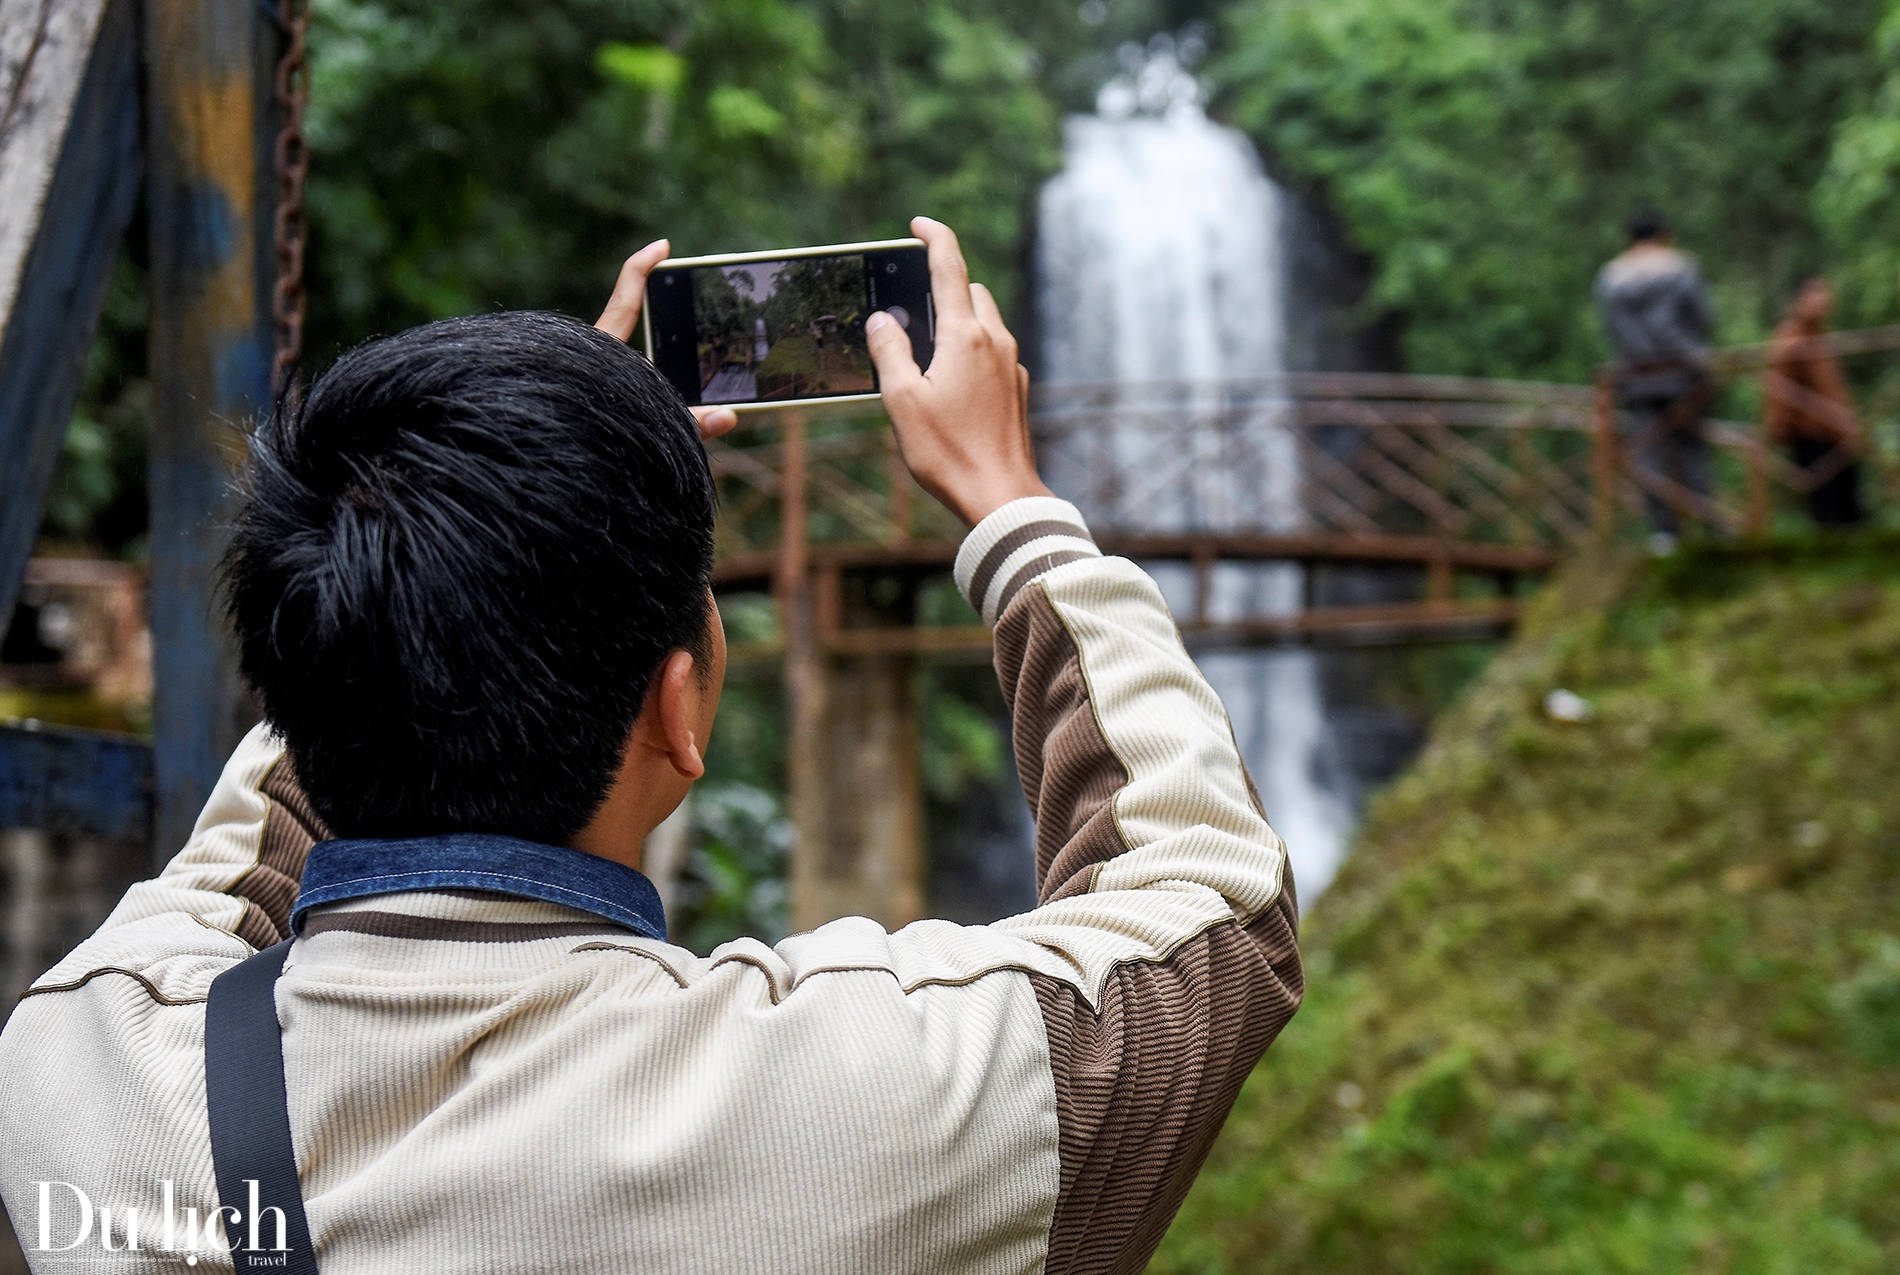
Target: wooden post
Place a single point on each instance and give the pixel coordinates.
(211, 121)
(861, 841)
(1204, 557)
(855, 796)
(901, 484)
(1606, 460)
(1439, 585)
(791, 580)
(69, 179)
(804, 680)
(827, 603)
(1760, 507)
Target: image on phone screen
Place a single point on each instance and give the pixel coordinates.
(783, 330)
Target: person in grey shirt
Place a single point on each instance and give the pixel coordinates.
(1657, 314)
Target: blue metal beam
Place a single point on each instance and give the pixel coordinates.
(212, 197)
(64, 780)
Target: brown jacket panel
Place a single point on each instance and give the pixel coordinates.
(1143, 1083)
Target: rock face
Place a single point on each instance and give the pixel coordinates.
(1619, 993)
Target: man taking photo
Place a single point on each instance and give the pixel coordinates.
(470, 583)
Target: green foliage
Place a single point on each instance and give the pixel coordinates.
(723, 315)
(478, 153)
(962, 744)
(815, 286)
(1484, 153)
(1854, 200)
(734, 881)
(1613, 996)
(97, 496)
(652, 67)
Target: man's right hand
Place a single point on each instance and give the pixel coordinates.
(963, 425)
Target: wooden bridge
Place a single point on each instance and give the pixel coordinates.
(1473, 484)
(1460, 489)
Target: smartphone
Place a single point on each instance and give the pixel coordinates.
(755, 330)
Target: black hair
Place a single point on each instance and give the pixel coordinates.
(457, 564)
(1645, 224)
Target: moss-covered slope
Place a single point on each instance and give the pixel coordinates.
(1613, 995)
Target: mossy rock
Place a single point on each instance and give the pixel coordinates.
(1618, 995)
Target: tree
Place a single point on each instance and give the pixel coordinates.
(1855, 198)
(722, 315)
(1484, 153)
(472, 154)
(811, 287)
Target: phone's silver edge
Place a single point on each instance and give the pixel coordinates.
(795, 404)
(781, 254)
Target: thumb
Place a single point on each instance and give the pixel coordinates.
(622, 314)
(890, 351)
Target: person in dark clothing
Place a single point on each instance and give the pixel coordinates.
(1807, 409)
(1656, 310)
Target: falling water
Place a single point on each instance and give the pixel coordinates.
(1161, 272)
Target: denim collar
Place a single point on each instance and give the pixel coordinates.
(339, 870)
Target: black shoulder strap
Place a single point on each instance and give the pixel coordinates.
(250, 1119)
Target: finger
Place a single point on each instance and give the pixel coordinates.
(714, 421)
(890, 352)
(622, 314)
(949, 276)
(983, 304)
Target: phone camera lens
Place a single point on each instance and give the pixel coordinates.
(890, 268)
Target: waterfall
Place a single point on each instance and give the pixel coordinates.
(1161, 273)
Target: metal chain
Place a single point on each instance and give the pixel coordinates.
(293, 166)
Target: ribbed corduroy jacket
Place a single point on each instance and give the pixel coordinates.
(494, 1084)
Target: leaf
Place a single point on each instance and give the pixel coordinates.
(643, 66)
(737, 112)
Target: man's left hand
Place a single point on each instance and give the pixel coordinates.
(622, 315)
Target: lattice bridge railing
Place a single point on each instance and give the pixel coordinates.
(1456, 474)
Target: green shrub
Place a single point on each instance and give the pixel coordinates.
(1610, 996)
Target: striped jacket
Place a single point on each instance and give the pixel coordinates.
(499, 1084)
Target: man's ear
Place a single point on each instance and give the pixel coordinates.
(671, 713)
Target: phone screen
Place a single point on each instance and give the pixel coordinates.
(784, 330)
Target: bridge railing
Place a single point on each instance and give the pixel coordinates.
(1333, 454)
(1753, 477)
(1338, 458)
(1364, 456)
